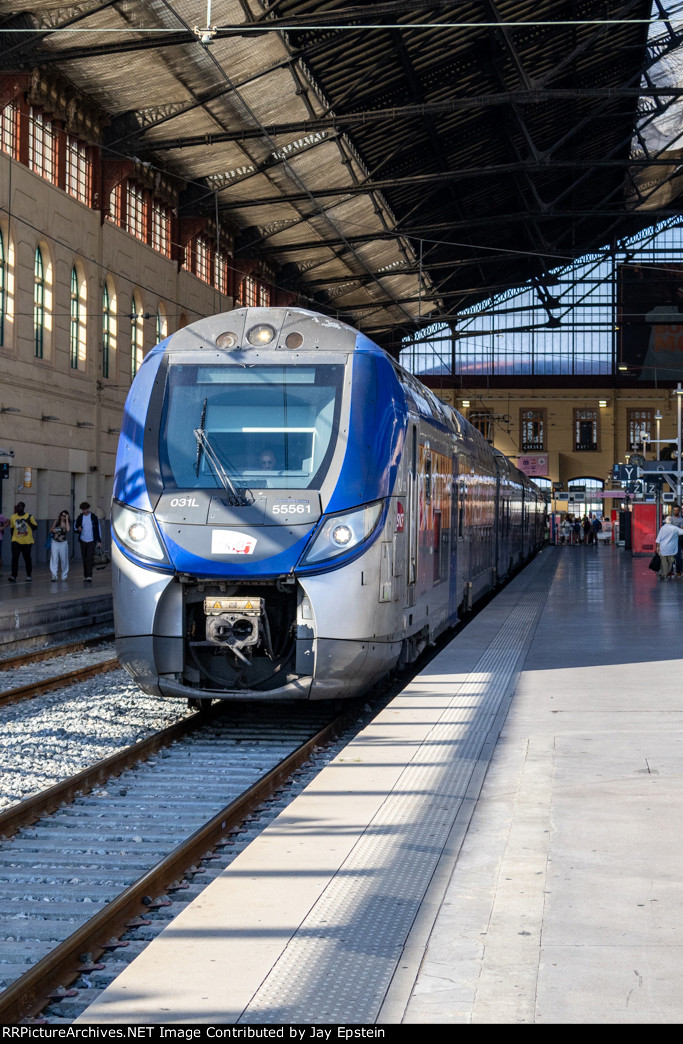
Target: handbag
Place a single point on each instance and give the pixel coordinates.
(655, 563)
(101, 560)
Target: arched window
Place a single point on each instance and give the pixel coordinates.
(39, 288)
(137, 335)
(77, 329)
(592, 505)
(221, 272)
(109, 328)
(8, 128)
(161, 324)
(249, 292)
(3, 283)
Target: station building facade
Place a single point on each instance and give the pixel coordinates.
(95, 268)
(571, 436)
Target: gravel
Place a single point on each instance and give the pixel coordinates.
(46, 739)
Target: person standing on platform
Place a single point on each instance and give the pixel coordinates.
(677, 521)
(4, 522)
(22, 525)
(88, 529)
(59, 549)
(667, 546)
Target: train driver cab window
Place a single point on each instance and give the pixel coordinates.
(264, 426)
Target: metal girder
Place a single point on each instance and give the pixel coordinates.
(437, 178)
(424, 231)
(340, 120)
(153, 42)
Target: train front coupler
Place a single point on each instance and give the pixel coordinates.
(236, 624)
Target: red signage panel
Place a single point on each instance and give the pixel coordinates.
(644, 529)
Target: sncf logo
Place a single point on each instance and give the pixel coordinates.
(229, 542)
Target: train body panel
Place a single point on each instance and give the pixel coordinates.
(294, 514)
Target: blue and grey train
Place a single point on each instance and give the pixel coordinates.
(294, 514)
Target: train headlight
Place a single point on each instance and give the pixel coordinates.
(342, 535)
(342, 532)
(137, 532)
(261, 334)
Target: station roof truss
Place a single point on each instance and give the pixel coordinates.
(394, 163)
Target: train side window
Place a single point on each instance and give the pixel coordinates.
(428, 480)
(461, 511)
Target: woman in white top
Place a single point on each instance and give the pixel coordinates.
(59, 549)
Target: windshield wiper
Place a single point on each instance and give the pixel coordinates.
(235, 498)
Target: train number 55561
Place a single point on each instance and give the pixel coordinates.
(291, 509)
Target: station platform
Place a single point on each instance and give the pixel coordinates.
(31, 612)
(500, 845)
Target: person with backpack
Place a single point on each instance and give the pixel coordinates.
(22, 525)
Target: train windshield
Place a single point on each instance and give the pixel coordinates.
(249, 426)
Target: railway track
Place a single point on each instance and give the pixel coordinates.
(38, 686)
(52, 652)
(61, 681)
(72, 882)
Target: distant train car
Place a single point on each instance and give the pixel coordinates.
(294, 514)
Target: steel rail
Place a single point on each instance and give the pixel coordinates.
(28, 995)
(53, 652)
(26, 812)
(27, 692)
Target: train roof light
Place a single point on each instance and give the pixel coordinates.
(261, 334)
(294, 340)
(227, 340)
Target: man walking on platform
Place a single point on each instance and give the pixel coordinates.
(677, 521)
(88, 529)
(667, 546)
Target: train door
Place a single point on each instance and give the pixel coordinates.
(412, 517)
(525, 526)
(436, 563)
(498, 532)
(453, 585)
(426, 546)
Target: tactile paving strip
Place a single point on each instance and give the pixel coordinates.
(338, 966)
